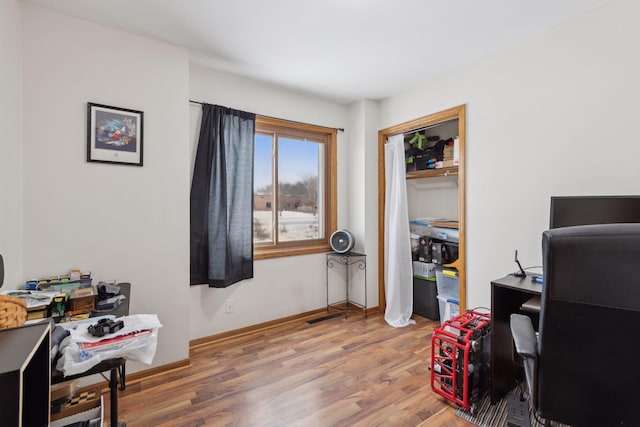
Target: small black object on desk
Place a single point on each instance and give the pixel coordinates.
(105, 327)
(520, 272)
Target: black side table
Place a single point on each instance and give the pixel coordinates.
(348, 260)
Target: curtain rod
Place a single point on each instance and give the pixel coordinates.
(276, 118)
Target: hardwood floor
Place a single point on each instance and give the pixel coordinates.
(336, 372)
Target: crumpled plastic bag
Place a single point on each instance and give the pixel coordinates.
(137, 340)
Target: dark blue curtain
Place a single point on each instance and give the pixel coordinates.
(222, 198)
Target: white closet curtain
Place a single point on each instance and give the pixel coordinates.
(397, 244)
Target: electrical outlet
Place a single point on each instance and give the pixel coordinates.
(228, 306)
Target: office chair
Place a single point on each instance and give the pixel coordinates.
(583, 367)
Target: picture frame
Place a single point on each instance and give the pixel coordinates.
(114, 135)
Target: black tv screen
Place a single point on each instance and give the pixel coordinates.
(584, 210)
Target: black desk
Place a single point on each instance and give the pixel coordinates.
(24, 375)
(115, 366)
(507, 296)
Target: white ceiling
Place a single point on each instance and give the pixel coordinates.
(343, 50)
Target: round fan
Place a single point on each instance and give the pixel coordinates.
(342, 241)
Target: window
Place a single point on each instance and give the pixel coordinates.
(297, 214)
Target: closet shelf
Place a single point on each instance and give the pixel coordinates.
(430, 173)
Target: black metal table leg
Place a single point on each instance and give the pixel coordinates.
(113, 390)
(122, 377)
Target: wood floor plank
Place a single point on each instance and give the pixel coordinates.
(336, 372)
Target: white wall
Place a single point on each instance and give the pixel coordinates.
(121, 222)
(11, 141)
(356, 171)
(551, 116)
(363, 193)
(281, 287)
(370, 217)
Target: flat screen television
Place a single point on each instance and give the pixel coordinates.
(583, 210)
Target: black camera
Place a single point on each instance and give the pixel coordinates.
(105, 326)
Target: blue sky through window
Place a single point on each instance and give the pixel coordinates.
(297, 160)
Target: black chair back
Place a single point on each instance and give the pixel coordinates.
(590, 326)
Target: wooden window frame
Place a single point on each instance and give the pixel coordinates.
(327, 136)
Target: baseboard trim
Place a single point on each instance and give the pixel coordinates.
(199, 342)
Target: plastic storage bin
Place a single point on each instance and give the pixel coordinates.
(448, 283)
(425, 301)
(448, 308)
(424, 228)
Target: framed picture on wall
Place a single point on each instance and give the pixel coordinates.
(114, 135)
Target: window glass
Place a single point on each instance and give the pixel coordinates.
(295, 216)
(263, 188)
(299, 170)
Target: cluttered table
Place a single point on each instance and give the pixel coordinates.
(92, 333)
(76, 302)
(116, 366)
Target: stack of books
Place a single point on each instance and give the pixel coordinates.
(447, 159)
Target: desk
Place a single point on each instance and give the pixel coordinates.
(115, 366)
(507, 296)
(24, 375)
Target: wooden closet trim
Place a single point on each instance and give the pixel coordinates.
(459, 113)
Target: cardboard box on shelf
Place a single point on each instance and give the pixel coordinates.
(425, 270)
